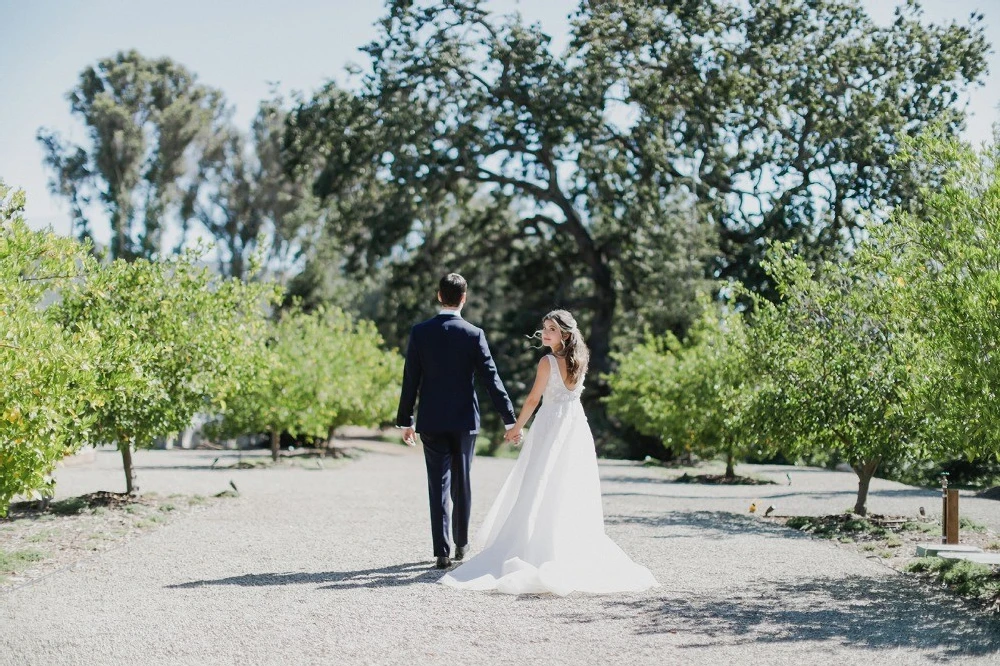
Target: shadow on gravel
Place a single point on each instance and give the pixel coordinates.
(710, 524)
(856, 611)
(771, 492)
(394, 576)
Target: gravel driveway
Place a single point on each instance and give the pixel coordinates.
(333, 566)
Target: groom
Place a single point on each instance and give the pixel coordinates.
(443, 356)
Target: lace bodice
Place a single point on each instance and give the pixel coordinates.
(555, 390)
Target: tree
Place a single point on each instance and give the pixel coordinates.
(945, 254)
(174, 340)
(688, 394)
(48, 382)
(359, 380)
(781, 117)
(774, 122)
(146, 121)
(323, 371)
(243, 197)
(457, 100)
(838, 368)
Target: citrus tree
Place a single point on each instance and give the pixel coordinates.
(47, 385)
(837, 368)
(323, 371)
(945, 253)
(174, 340)
(687, 393)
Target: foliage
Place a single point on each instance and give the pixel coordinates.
(969, 579)
(323, 371)
(838, 368)
(462, 107)
(945, 252)
(687, 394)
(610, 159)
(781, 117)
(144, 118)
(48, 383)
(243, 197)
(174, 340)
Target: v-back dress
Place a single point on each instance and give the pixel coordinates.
(545, 530)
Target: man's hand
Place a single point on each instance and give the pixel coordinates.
(410, 436)
(513, 435)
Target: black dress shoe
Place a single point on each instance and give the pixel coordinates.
(460, 552)
(443, 562)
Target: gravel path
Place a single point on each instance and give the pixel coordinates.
(333, 566)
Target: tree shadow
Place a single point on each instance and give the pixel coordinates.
(393, 576)
(779, 491)
(710, 524)
(856, 611)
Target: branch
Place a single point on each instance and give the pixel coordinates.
(532, 222)
(487, 176)
(50, 277)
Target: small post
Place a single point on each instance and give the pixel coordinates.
(944, 507)
(953, 522)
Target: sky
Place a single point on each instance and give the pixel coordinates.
(246, 48)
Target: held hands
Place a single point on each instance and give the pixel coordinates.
(514, 435)
(410, 436)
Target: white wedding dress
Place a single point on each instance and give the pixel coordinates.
(545, 530)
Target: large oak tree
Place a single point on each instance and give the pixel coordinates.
(661, 125)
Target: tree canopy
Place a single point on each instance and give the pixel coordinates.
(666, 143)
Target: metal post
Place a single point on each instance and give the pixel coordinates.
(944, 507)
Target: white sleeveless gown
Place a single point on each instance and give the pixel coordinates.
(545, 530)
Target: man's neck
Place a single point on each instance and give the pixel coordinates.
(451, 311)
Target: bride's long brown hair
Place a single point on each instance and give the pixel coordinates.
(574, 349)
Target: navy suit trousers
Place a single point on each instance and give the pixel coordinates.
(449, 458)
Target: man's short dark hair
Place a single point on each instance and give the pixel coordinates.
(452, 287)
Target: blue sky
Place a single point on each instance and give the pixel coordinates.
(245, 46)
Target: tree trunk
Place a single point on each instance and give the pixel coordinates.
(601, 324)
(730, 466)
(126, 450)
(331, 447)
(605, 295)
(865, 472)
(275, 444)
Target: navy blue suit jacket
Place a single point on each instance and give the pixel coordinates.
(443, 357)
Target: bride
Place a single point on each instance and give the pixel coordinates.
(545, 530)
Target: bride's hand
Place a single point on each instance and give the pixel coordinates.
(513, 435)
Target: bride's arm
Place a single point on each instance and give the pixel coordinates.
(531, 402)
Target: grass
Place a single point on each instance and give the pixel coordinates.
(927, 528)
(969, 579)
(14, 561)
(43, 535)
(969, 524)
(150, 520)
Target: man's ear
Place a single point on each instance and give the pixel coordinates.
(462, 302)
